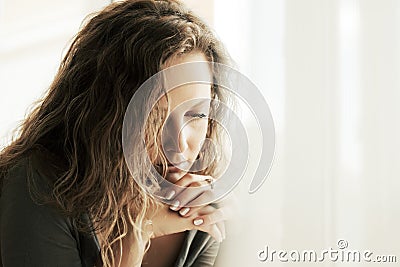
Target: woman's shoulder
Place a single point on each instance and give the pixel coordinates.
(19, 176)
(19, 199)
(38, 169)
(35, 230)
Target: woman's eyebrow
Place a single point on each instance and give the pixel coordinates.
(202, 103)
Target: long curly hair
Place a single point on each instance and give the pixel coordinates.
(75, 130)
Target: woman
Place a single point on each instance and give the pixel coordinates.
(67, 195)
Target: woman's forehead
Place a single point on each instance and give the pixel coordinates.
(196, 94)
(178, 72)
(192, 93)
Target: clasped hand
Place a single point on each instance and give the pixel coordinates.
(191, 209)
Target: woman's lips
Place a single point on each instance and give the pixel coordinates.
(182, 166)
(172, 168)
(177, 167)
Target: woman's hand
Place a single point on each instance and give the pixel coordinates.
(193, 206)
(207, 219)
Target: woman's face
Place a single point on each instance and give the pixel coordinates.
(186, 124)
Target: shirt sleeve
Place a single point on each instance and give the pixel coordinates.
(208, 255)
(32, 234)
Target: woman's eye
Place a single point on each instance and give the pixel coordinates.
(197, 115)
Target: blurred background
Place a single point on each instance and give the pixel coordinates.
(330, 71)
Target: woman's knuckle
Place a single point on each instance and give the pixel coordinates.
(184, 180)
(209, 219)
(209, 196)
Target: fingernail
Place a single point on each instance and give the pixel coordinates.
(175, 205)
(198, 222)
(184, 211)
(170, 194)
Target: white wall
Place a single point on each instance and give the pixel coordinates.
(33, 37)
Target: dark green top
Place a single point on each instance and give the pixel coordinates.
(37, 235)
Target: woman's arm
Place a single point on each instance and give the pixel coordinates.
(208, 256)
(129, 256)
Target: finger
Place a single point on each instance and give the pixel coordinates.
(197, 211)
(221, 227)
(191, 186)
(189, 211)
(169, 190)
(206, 197)
(191, 178)
(183, 183)
(211, 218)
(174, 174)
(189, 194)
(213, 231)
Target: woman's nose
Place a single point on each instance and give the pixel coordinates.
(174, 137)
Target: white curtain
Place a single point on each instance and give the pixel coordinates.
(330, 71)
